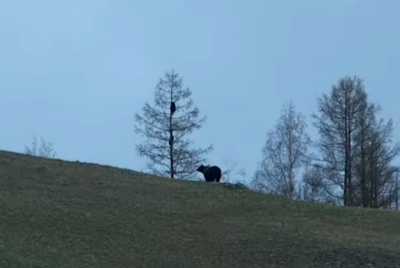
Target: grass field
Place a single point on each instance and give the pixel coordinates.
(69, 214)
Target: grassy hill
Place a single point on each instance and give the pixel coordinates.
(70, 214)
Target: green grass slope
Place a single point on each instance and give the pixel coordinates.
(69, 214)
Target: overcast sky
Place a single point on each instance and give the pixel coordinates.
(76, 72)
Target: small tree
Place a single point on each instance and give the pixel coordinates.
(166, 126)
(41, 148)
(315, 185)
(285, 152)
(233, 173)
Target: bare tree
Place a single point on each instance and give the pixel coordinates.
(357, 149)
(233, 173)
(313, 184)
(337, 126)
(166, 126)
(284, 154)
(365, 122)
(379, 184)
(41, 148)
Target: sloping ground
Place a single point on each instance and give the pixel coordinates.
(66, 214)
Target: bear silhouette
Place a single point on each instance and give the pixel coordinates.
(211, 173)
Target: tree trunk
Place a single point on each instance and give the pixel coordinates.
(171, 142)
(347, 149)
(397, 191)
(364, 190)
(362, 139)
(290, 156)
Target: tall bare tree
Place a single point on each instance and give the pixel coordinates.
(378, 187)
(337, 126)
(357, 149)
(365, 122)
(166, 126)
(284, 153)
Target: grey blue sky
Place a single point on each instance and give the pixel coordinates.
(76, 72)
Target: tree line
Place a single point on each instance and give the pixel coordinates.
(351, 163)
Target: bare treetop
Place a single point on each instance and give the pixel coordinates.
(166, 126)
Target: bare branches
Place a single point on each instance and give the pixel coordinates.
(166, 126)
(336, 123)
(41, 148)
(285, 152)
(355, 146)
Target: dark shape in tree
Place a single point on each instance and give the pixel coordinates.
(173, 108)
(211, 173)
(166, 126)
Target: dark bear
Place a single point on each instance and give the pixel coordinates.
(210, 173)
(173, 107)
